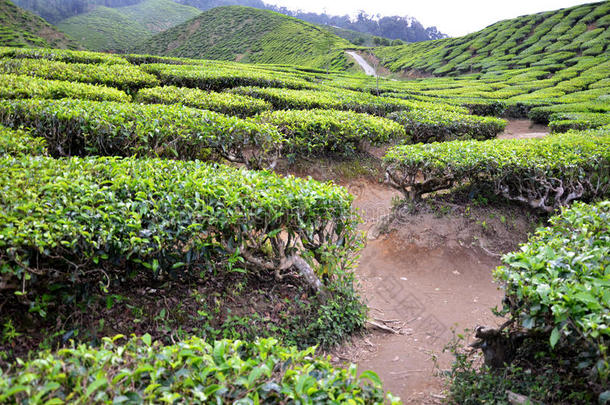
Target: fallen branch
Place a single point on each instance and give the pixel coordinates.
(383, 327)
(387, 320)
(518, 399)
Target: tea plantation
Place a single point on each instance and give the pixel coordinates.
(152, 248)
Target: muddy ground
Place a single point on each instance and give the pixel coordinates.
(429, 273)
(425, 273)
(521, 129)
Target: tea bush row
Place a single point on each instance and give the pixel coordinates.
(191, 371)
(319, 132)
(62, 55)
(124, 77)
(71, 223)
(545, 173)
(563, 122)
(81, 127)
(284, 99)
(14, 86)
(17, 142)
(226, 103)
(217, 78)
(440, 126)
(558, 284)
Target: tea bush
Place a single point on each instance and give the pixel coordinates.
(69, 223)
(62, 55)
(216, 78)
(284, 99)
(226, 103)
(316, 132)
(544, 173)
(439, 126)
(128, 78)
(79, 127)
(13, 86)
(558, 284)
(192, 371)
(563, 122)
(16, 142)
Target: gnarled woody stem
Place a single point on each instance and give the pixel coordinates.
(287, 262)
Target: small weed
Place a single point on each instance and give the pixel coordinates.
(9, 333)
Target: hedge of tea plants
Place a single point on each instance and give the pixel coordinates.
(80, 127)
(318, 132)
(336, 99)
(543, 114)
(558, 284)
(21, 86)
(62, 55)
(18, 142)
(563, 122)
(124, 77)
(226, 103)
(192, 371)
(440, 126)
(217, 78)
(545, 173)
(73, 222)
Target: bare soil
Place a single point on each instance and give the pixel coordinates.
(429, 273)
(523, 129)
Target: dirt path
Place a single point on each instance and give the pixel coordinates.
(521, 129)
(428, 275)
(368, 69)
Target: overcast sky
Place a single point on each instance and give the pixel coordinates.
(453, 17)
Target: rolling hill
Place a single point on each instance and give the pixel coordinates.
(553, 39)
(117, 29)
(56, 10)
(19, 27)
(355, 37)
(393, 27)
(246, 34)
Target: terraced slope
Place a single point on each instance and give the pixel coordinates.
(19, 27)
(118, 29)
(246, 34)
(554, 39)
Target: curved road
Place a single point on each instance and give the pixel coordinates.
(368, 69)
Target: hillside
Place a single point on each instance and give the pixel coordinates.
(553, 39)
(19, 27)
(355, 37)
(56, 10)
(117, 29)
(246, 34)
(394, 27)
(159, 15)
(104, 29)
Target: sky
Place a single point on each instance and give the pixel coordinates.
(452, 17)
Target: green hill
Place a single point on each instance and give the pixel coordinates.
(246, 34)
(117, 29)
(19, 27)
(159, 15)
(355, 37)
(554, 39)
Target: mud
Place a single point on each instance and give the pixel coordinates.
(431, 272)
(523, 129)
